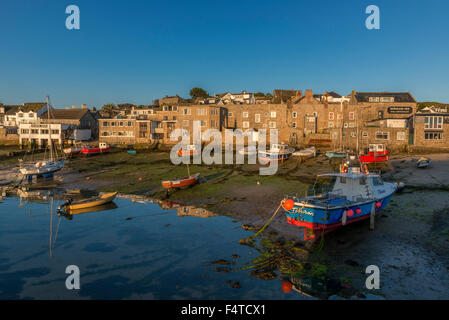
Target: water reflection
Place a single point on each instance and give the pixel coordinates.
(153, 255)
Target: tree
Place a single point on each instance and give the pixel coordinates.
(198, 93)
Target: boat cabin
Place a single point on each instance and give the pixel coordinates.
(346, 188)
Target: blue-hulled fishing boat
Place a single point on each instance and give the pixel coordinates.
(352, 195)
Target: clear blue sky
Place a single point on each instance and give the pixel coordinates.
(136, 51)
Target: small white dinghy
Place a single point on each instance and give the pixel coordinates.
(423, 163)
(309, 152)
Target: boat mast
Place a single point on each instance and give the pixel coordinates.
(49, 130)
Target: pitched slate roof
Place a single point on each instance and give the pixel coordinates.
(66, 114)
(398, 96)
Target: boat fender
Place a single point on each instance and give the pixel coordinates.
(358, 211)
(350, 213)
(378, 204)
(289, 204)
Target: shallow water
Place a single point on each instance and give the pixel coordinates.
(134, 251)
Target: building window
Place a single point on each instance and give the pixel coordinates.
(245, 114)
(382, 135)
(203, 123)
(25, 131)
(380, 114)
(120, 124)
(294, 125)
(129, 124)
(54, 131)
(186, 111)
(245, 124)
(351, 116)
(400, 136)
(273, 114)
(214, 112)
(331, 116)
(230, 114)
(294, 115)
(44, 131)
(257, 118)
(34, 131)
(104, 133)
(185, 123)
(346, 125)
(353, 135)
(272, 125)
(331, 125)
(266, 114)
(365, 134)
(105, 123)
(351, 125)
(433, 122)
(112, 124)
(433, 135)
(213, 123)
(201, 112)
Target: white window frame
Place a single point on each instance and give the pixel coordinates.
(245, 124)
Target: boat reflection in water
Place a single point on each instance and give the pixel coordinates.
(312, 287)
(183, 210)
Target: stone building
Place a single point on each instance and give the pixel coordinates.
(79, 118)
(117, 130)
(431, 129)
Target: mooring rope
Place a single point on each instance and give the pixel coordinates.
(249, 239)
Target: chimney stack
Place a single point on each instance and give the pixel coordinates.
(299, 93)
(309, 94)
(84, 106)
(73, 106)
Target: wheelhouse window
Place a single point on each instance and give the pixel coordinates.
(377, 181)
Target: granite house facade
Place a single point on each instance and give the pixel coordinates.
(327, 120)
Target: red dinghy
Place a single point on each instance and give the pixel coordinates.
(181, 182)
(102, 148)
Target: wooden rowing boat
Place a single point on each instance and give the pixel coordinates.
(181, 182)
(92, 202)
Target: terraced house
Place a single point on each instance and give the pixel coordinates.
(431, 129)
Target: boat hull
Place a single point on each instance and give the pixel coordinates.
(93, 151)
(265, 157)
(336, 154)
(46, 170)
(181, 183)
(106, 198)
(317, 221)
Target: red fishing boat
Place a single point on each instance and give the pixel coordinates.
(375, 153)
(181, 182)
(102, 148)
